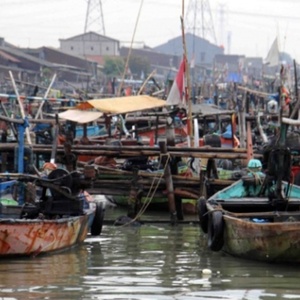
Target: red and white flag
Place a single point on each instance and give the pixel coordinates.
(177, 93)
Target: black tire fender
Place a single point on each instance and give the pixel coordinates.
(297, 179)
(215, 230)
(97, 224)
(202, 214)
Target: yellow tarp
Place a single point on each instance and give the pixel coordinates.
(121, 105)
(80, 116)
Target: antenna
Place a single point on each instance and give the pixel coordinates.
(94, 14)
(199, 21)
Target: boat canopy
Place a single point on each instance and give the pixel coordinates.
(209, 110)
(123, 105)
(80, 116)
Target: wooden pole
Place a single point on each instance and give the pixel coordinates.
(55, 140)
(39, 112)
(21, 106)
(129, 52)
(135, 195)
(169, 182)
(249, 143)
(145, 82)
(187, 88)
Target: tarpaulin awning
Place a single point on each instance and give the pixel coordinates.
(80, 116)
(209, 110)
(121, 105)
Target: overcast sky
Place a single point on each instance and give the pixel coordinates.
(244, 27)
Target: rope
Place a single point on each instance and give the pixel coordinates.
(257, 177)
(149, 199)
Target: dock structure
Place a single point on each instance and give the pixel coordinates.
(135, 183)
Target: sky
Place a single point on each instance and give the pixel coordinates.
(242, 27)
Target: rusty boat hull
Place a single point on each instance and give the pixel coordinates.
(269, 242)
(31, 237)
(251, 226)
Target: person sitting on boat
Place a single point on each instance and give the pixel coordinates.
(254, 178)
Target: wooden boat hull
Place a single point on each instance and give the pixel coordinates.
(252, 227)
(26, 237)
(268, 242)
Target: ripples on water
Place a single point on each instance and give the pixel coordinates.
(157, 262)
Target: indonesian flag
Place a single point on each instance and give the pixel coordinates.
(177, 93)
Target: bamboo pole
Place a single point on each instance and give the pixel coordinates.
(145, 82)
(21, 107)
(249, 143)
(129, 52)
(259, 93)
(39, 112)
(188, 87)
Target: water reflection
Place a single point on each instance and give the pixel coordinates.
(43, 275)
(160, 262)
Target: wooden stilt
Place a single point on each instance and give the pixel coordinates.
(134, 196)
(249, 143)
(169, 181)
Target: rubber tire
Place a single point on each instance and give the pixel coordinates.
(202, 214)
(97, 224)
(215, 231)
(226, 164)
(297, 179)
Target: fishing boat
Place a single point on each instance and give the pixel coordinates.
(258, 216)
(59, 219)
(44, 212)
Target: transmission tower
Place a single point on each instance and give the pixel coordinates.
(94, 15)
(199, 21)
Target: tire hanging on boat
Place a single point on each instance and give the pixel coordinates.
(97, 224)
(203, 214)
(215, 230)
(297, 179)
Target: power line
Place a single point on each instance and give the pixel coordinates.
(259, 15)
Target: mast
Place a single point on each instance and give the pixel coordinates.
(188, 82)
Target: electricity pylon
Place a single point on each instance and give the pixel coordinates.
(94, 14)
(199, 21)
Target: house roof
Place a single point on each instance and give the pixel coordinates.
(202, 49)
(8, 57)
(99, 59)
(86, 34)
(227, 58)
(21, 54)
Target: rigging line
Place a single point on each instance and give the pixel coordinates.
(129, 51)
(147, 203)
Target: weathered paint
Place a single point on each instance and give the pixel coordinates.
(32, 237)
(270, 242)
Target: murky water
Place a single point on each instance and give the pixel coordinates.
(154, 261)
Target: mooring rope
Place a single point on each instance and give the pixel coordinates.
(151, 191)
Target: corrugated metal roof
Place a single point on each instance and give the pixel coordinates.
(209, 110)
(9, 57)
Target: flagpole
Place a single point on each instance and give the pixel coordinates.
(188, 85)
